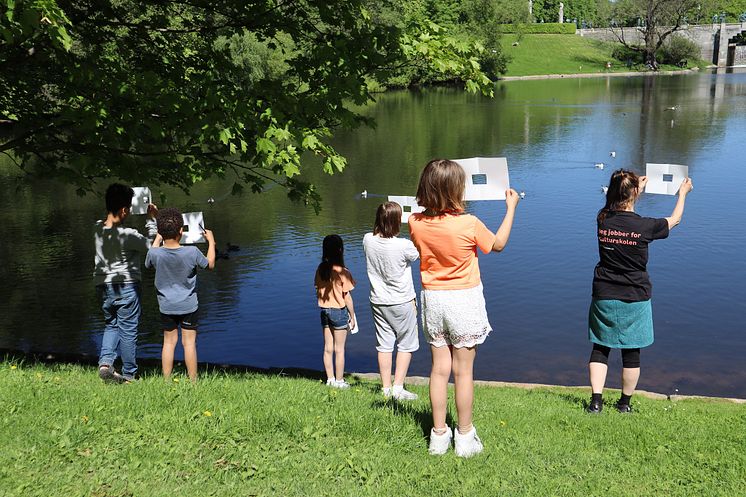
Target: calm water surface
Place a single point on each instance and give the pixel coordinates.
(258, 307)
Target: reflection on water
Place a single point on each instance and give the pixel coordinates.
(258, 306)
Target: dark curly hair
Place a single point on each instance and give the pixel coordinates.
(170, 222)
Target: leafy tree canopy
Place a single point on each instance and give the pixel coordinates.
(173, 92)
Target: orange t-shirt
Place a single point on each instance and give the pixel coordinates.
(332, 293)
(448, 249)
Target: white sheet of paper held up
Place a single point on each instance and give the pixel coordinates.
(194, 224)
(486, 178)
(141, 200)
(665, 179)
(408, 206)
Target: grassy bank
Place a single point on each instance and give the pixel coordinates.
(63, 432)
(562, 54)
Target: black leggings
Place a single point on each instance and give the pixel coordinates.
(630, 357)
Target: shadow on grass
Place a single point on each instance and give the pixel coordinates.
(420, 413)
(152, 366)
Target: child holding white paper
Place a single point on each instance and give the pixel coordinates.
(454, 314)
(392, 297)
(620, 315)
(176, 282)
(118, 252)
(334, 283)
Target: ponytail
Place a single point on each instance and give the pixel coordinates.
(623, 190)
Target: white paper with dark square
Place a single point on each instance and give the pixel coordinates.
(141, 200)
(194, 224)
(486, 178)
(665, 179)
(408, 206)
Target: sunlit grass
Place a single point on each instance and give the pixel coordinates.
(561, 54)
(63, 432)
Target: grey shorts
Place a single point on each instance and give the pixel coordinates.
(396, 324)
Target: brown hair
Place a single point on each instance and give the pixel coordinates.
(623, 190)
(442, 186)
(169, 222)
(388, 220)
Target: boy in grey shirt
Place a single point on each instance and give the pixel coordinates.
(176, 283)
(117, 277)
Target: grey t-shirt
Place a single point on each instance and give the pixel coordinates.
(389, 262)
(176, 277)
(118, 252)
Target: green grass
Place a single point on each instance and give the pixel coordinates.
(562, 54)
(63, 432)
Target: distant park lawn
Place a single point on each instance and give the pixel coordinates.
(538, 54)
(63, 432)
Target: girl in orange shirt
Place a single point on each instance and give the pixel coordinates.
(454, 315)
(333, 286)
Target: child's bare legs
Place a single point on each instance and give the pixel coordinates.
(340, 337)
(189, 342)
(463, 376)
(402, 366)
(439, 375)
(597, 371)
(384, 366)
(328, 352)
(170, 338)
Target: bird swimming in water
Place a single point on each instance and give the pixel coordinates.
(364, 193)
(522, 194)
(211, 200)
(599, 165)
(231, 247)
(612, 154)
(604, 189)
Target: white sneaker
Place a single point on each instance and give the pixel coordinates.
(468, 444)
(331, 382)
(401, 394)
(439, 443)
(341, 384)
(386, 392)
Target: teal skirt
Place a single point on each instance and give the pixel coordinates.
(621, 325)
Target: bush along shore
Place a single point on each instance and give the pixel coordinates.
(64, 432)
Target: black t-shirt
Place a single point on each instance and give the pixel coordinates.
(623, 238)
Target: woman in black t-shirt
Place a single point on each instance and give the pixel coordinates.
(621, 316)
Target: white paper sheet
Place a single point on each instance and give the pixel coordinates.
(141, 200)
(194, 224)
(408, 206)
(486, 178)
(665, 179)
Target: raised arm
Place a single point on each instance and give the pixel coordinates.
(678, 210)
(503, 232)
(150, 224)
(210, 249)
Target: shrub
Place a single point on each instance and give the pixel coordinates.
(627, 55)
(546, 28)
(677, 50)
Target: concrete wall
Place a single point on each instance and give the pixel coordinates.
(739, 55)
(706, 36)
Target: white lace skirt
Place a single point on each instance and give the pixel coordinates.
(455, 317)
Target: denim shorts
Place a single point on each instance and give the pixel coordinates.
(335, 319)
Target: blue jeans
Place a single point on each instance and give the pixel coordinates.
(121, 306)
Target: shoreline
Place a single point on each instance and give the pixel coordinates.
(152, 363)
(597, 75)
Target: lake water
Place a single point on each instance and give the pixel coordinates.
(258, 307)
